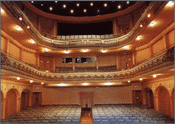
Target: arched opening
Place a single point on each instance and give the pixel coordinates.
(25, 99)
(2, 97)
(149, 98)
(164, 101)
(11, 102)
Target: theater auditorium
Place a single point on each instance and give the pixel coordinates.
(95, 62)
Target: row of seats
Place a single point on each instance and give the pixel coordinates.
(127, 114)
(84, 69)
(47, 114)
(84, 37)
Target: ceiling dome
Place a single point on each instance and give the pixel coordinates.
(82, 8)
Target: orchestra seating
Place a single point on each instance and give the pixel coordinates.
(47, 114)
(109, 114)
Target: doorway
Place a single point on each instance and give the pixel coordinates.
(137, 97)
(36, 99)
(24, 100)
(149, 99)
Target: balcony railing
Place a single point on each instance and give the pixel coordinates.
(163, 60)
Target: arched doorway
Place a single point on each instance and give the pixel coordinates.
(11, 102)
(149, 98)
(164, 100)
(25, 99)
(2, 97)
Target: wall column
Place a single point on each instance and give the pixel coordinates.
(156, 103)
(134, 58)
(30, 99)
(97, 63)
(117, 62)
(3, 102)
(115, 27)
(166, 41)
(151, 49)
(73, 63)
(18, 109)
(55, 28)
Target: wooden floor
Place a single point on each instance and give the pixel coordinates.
(86, 117)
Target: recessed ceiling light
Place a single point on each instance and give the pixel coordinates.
(152, 23)
(128, 81)
(84, 10)
(31, 81)
(32, 41)
(66, 51)
(149, 15)
(105, 4)
(18, 28)
(78, 4)
(20, 18)
(119, 6)
(55, 1)
(154, 75)
(42, 83)
(141, 79)
(32, 1)
(28, 26)
(85, 50)
(46, 50)
(138, 38)
(104, 51)
(71, 11)
(91, 4)
(41, 4)
(50, 8)
(18, 78)
(127, 2)
(98, 10)
(85, 84)
(170, 3)
(141, 25)
(64, 5)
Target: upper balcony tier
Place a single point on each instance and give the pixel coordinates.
(45, 34)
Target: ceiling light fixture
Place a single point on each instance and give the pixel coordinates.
(84, 10)
(20, 18)
(85, 50)
(141, 79)
(78, 4)
(170, 3)
(125, 47)
(104, 51)
(91, 4)
(2, 11)
(31, 81)
(28, 26)
(62, 84)
(42, 83)
(152, 23)
(98, 10)
(56, 1)
(108, 83)
(32, 1)
(32, 41)
(41, 4)
(85, 84)
(64, 5)
(149, 15)
(18, 78)
(66, 51)
(128, 81)
(154, 75)
(50, 8)
(46, 50)
(138, 38)
(47, 71)
(105, 4)
(141, 25)
(71, 11)
(18, 28)
(119, 6)
(127, 2)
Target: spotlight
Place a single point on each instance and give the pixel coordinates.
(138, 38)
(127, 2)
(42, 83)
(71, 11)
(91, 4)
(64, 5)
(31, 81)
(28, 26)
(154, 75)
(104, 51)
(84, 10)
(152, 23)
(18, 28)
(149, 15)
(50, 8)
(141, 79)
(66, 51)
(105, 4)
(78, 4)
(141, 25)
(119, 6)
(128, 81)
(18, 78)
(20, 18)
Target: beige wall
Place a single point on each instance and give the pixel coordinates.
(29, 57)
(3, 43)
(107, 60)
(143, 54)
(14, 51)
(171, 37)
(102, 95)
(158, 46)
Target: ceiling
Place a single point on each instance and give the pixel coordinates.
(82, 8)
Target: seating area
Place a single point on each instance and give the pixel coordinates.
(47, 114)
(109, 114)
(63, 69)
(107, 68)
(85, 69)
